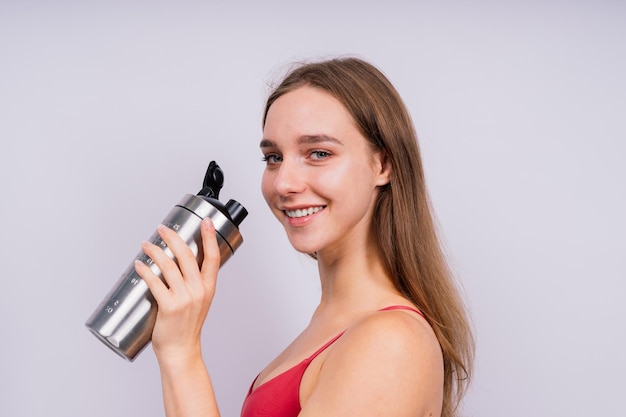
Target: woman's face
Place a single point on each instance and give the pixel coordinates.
(321, 176)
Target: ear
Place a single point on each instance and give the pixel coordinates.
(383, 168)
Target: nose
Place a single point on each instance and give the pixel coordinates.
(289, 178)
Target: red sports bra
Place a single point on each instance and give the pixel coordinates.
(280, 396)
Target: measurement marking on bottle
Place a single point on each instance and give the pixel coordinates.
(110, 309)
(159, 242)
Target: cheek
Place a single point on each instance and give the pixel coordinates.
(355, 185)
(266, 185)
(352, 178)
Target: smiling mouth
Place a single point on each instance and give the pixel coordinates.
(302, 212)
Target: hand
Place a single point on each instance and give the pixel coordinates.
(183, 307)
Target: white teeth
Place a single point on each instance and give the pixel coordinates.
(302, 212)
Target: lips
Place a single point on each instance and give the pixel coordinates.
(294, 214)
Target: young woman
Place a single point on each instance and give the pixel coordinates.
(344, 177)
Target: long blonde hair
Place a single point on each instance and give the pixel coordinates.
(403, 221)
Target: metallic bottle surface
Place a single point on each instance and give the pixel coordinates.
(126, 316)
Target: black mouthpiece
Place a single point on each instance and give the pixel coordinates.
(213, 182)
(237, 212)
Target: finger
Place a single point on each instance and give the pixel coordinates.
(155, 284)
(211, 251)
(186, 259)
(169, 270)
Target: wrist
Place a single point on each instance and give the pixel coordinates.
(179, 359)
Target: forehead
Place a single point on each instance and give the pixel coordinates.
(307, 111)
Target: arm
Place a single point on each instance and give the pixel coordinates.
(187, 388)
(183, 307)
(389, 364)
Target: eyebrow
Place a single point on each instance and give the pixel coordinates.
(304, 140)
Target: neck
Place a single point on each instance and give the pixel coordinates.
(353, 282)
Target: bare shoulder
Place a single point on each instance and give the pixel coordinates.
(402, 338)
(407, 328)
(389, 363)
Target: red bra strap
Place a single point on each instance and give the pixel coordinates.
(320, 350)
(401, 307)
(334, 339)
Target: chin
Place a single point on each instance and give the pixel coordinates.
(304, 247)
(306, 251)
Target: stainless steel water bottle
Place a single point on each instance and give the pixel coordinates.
(125, 318)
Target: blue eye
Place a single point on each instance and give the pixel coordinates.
(320, 154)
(271, 158)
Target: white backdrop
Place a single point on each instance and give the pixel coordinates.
(111, 110)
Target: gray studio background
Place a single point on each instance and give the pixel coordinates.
(110, 111)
